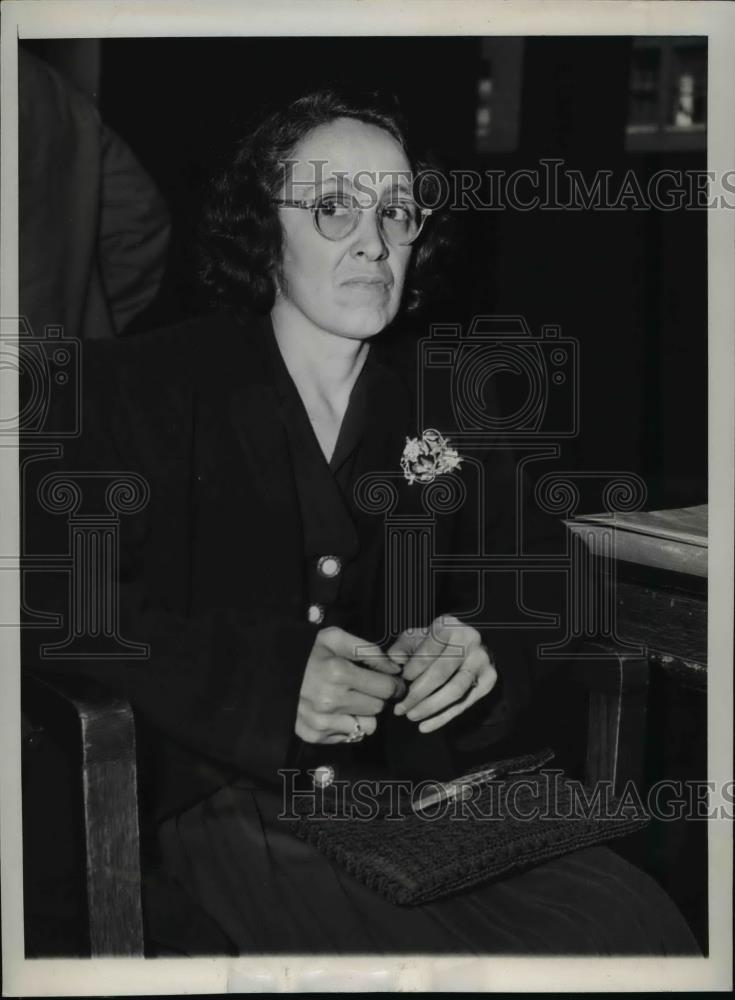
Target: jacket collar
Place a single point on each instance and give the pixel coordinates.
(262, 400)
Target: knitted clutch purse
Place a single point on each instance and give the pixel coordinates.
(416, 848)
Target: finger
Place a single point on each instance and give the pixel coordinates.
(475, 667)
(351, 647)
(316, 722)
(406, 644)
(309, 726)
(436, 659)
(411, 639)
(399, 691)
(485, 684)
(430, 725)
(433, 678)
(325, 727)
(340, 677)
(447, 636)
(338, 701)
(455, 655)
(476, 676)
(455, 689)
(365, 681)
(344, 725)
(361, 704)
(306, 733)
(398, 654)
(422, 657)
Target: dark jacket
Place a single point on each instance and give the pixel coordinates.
(94, 229)
(211, 567)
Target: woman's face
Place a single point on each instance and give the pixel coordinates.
(350, 287)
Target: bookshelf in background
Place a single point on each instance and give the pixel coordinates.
(498, 95)
(668, 94)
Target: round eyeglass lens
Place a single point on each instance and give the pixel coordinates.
(336, 218)
(400, 222)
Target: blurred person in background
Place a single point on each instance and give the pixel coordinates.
(94, 230)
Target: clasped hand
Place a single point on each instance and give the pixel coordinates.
(436, 672)
(446, 668)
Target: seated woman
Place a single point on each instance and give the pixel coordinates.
(257, 571)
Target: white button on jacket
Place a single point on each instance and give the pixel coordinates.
(329, 566)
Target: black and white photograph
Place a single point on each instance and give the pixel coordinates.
(366, 411)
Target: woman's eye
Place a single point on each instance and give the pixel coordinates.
(399, 213)
(335, 206)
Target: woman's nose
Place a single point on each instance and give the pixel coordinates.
(368, 240)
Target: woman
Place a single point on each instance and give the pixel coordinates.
(257, 571)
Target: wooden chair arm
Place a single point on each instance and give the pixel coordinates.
(617, 692)
(110, 795)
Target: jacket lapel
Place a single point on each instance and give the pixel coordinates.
(389, 420)
(258, 422)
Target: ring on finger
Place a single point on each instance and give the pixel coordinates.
(357, 734)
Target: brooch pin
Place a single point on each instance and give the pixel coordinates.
(427, 457)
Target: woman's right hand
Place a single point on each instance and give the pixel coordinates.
(337, 689)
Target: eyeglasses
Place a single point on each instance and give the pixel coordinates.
(336, 217)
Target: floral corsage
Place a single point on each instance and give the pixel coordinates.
(427, 457)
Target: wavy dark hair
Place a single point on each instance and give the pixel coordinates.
(240, 239)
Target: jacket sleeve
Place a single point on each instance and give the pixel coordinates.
(220, 683)
(134, 232)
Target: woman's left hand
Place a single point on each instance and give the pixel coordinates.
(447, 669)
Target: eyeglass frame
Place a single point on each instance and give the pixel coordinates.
(313, 203)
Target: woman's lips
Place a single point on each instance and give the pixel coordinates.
(368, 284)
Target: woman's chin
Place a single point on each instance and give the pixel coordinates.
(364, 323)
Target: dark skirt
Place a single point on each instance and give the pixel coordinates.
(274, 894)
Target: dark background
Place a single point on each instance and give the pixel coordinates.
(629, 286)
